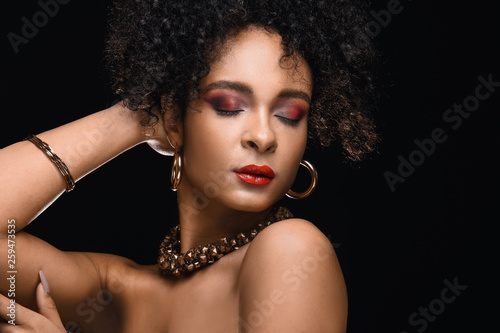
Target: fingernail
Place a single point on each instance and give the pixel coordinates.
(45, 283)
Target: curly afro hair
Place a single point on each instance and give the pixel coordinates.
(158, 50)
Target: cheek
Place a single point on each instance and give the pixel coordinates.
(294, 140)
(206, 146)
(293, 148)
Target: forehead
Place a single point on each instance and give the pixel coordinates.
(254, 57)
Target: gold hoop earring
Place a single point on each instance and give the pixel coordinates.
(175, 176)
(314, 175)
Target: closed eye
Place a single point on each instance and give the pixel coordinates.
(228, 113)
(288, 121)
(291, 113)
(225, 104)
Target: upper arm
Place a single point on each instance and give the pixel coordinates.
(291, 281)
(73, 277)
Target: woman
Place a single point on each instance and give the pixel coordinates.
(233, 90)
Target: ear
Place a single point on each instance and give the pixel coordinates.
(172, 122)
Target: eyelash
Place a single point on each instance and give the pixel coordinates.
(233, 113)
(227, 113)
(288, 121)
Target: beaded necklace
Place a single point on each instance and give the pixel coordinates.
(171, 262)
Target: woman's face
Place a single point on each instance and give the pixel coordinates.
(244, 138)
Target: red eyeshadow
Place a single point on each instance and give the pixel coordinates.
(295, 113)
(223, 101)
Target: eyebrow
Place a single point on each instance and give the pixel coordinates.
(245, 89)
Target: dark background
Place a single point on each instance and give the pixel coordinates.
(396, 247)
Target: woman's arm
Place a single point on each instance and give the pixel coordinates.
(29, 180)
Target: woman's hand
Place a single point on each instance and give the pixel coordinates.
(26, 320)
(157, 137)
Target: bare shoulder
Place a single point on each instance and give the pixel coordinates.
(291, 279)
(297, 238)
(292, 229)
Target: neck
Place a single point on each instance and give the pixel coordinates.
(208, 222)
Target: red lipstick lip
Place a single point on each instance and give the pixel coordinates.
(255, 174)
(253, 169)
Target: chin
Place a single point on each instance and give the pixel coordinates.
(254, 201)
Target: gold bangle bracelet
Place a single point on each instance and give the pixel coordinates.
(63, 169)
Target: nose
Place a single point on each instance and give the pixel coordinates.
(259, 134)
